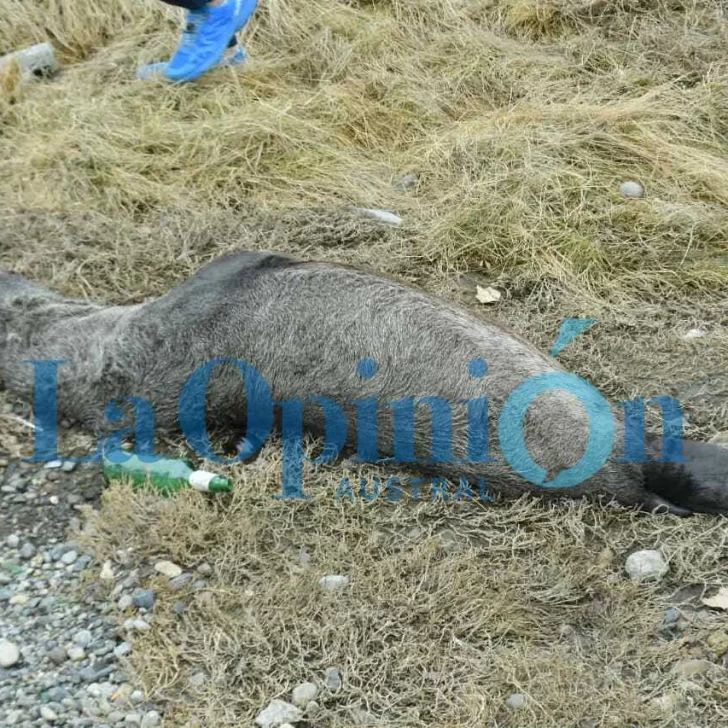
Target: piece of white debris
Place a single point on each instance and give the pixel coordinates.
(487, 295)
(646, 565)
(694, 334)
(384, 216)
(33, 62)
(517, 701)
(719, 600)
(107, 573)
(632, 189)
(333, 582)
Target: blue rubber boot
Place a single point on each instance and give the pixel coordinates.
(235, 57)
(183, 54)
(213, 35)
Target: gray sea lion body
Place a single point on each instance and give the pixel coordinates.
(305, 326)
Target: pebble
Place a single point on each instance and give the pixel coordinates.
(47, 714)
(69, 557)
(278, 713)
(181, 581)
(9, 654)
(107, 573)
(151, 719)
(122, 649)
(333, 582)
(304, 693)
(27, 552)
(83, 638)
(168, 569)
(646, 565)
(197, 680)
(517, 701)
(631, 189)
(332, 679)
(672, 616)
(76, 653)
(144, 598)
(406, 183)
(58, 655)
(13, 541)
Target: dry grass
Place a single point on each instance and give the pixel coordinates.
(521, 118)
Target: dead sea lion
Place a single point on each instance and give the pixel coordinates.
(307, 327)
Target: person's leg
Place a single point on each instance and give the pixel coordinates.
(195, 17)
(188, 4)
(222, 20)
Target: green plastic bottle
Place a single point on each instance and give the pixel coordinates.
(166, 475)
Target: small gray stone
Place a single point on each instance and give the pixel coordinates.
(632, 189)
(179, 608)
(406, 183)
(122, 649)
(197, 680)
(151, 719)
(68, 466)
(76, 653)
(13, 541)
(28, 551)
(517, 701)
(181, 581)
(9, 654)
(69, 557)
(332, 679)
(137, 697)
(168, 568)
(277, 713)
(646, 565)
(47, 714)
(672, 616)
(204, 569)
(58, 655)
(144, 598)
(83, 638)
(304, 693)
(125, 601)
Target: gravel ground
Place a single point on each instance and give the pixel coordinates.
(62, 653)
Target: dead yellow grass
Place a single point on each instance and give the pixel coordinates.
(520, 118)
